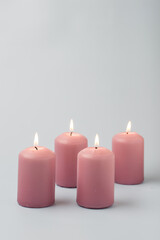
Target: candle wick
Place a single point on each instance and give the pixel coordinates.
(126, 132)
(36, 148)
(96, 147)
(70, 133)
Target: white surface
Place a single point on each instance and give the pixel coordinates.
(98, 63)
(134, 215)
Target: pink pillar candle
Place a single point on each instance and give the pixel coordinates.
(67, 146)
(128, 148)
(36, 177)
(95, 178)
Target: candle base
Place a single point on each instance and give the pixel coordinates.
(66, 186)
(95, 207)
(28, 205)
(129, 183)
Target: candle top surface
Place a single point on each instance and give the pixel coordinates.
(92, 152)
(39, 153)
(129, 137)
(128, 134)
(73, 138)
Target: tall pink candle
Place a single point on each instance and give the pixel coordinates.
(67, 146)
(95, 178)
(128, 148)
(36, 177)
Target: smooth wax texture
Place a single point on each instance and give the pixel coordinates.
(36, 177)
(66, 148)
(95, 178)
(129, 158)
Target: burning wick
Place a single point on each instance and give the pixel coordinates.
(96, 141)
(36, 141)
(71, 127)
(128, 129)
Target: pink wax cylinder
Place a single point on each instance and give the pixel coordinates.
(128, 148)
(36, 177)
(67, 146)
(95, 178)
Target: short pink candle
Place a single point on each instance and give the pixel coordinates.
(128, 148)
(36, 177)
(95, 178)
(67, 146)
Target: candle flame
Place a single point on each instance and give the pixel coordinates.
(71, 125)
(96, 141)
(128, 129)
(36, 140)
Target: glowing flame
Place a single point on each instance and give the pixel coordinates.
(36, 139)
(96, 141)
(128, 129)
(71, 125)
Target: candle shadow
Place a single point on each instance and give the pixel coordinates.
(125, 204)
(63, 202)
(152, 179)
(65, 187)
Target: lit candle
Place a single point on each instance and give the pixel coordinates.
(67, 146)
(36, 176)
(95, 177)
(128, 148)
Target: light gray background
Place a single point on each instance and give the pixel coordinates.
(98, 63)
